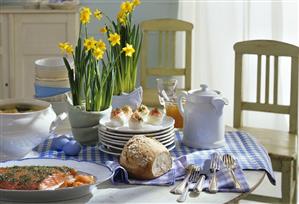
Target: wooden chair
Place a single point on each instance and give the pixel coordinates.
(166, 30)
(282, 146)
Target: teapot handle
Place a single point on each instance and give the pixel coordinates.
(182, 95)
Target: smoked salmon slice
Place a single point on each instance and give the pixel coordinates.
(41, 178)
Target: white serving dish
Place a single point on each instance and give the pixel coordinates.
(21, 132)
(101, 172)
(167, 122)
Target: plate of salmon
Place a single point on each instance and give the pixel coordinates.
(46, 180)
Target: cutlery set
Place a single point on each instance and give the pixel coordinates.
(196, 176)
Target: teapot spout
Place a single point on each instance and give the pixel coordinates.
(218, 103)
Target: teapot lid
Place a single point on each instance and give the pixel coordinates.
(202, 95)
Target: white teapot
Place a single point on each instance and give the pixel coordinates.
(203, 118)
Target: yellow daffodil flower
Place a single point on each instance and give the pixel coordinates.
(66, 47)
(69, 49)
(127, 7)
(129, 50)
(98, 14)
(121, 17)
(90, 43)
(100, 44)
(103, 30)
(85, 14)
(114, 39)
(62, 46)
(98, 53)
(135, 2)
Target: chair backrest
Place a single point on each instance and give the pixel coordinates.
(267, 48)
(166, 30)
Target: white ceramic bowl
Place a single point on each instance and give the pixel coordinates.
(21, 132)
(51, 63)
(51, 68)
(53, 83)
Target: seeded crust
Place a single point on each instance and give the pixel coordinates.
(139, 154)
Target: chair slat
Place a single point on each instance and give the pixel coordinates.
(144, 58)
(188, 54)
(275, 91)
(164, 71)
(160, 49)
(283, 109)
(166, 49)
(173, 34)
(267, 85)
(259, 73)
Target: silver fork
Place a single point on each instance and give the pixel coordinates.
(180, 187)
(192, 179)
(214, 167)
(230, 163)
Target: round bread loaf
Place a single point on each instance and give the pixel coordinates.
(145, 158)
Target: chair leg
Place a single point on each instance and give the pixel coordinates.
(287, 181)
(295, 181)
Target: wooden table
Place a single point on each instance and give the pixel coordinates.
(108, 193)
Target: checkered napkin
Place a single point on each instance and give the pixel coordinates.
(250, 155)
(178, 172)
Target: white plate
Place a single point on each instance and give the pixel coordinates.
(125, 139)
(162, 132)
(122, 138)
(101, 172)
(119, 147)
(167, 122)
(122, 143)
(102, 148)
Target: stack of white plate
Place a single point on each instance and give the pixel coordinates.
(112, 139)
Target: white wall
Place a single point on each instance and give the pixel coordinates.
(148, 9)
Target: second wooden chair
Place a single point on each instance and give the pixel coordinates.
(166, 31)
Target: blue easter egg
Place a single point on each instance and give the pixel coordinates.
(72, 148)
(59, 142)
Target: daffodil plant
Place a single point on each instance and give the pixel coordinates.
(125, 38)
(92, 78)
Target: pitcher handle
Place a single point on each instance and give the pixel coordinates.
(181, 96)
(61, 117)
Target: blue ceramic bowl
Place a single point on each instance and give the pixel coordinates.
(44, 91)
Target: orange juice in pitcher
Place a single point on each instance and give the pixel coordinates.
(172, 110)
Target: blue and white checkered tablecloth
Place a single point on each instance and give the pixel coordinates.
(250, 155)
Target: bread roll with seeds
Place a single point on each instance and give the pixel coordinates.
(145, 158)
